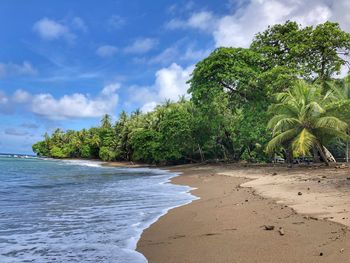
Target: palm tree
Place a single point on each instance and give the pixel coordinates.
(106, 121)
(341, 103)
(302, 121)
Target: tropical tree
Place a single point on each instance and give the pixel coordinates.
(106, 121)
(341, 103)
(302, 120)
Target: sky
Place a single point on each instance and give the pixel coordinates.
(63, 64)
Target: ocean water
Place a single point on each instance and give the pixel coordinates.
(79, 211)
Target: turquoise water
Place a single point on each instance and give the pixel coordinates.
(78, 211)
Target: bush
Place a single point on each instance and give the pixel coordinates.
(106, 154)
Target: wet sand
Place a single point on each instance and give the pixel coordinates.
(227, 223)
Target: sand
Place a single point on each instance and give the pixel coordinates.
(227, 223)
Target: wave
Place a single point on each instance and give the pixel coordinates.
(83, 163)
(83, 215)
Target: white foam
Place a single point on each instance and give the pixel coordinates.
(83, 163)
(106, 227)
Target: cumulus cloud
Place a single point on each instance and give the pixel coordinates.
(141, 45)
(238, 28)
(13, 69)
(149, 106)
(170, 83)
(106, 51)
(75, 105)
(49, 29)
(21, 96)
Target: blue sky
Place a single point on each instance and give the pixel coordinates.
(66, 63)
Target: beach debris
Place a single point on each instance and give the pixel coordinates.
(319, 181)
(310, 217)
(321, 254)
(211, 234)
(300, 193)
(246, 200)
(341, 250)
(298, 223)
(274, 173)
(347, 178)
(177, 236)
(308, 188)
(323, 176)
(269, 227)
(281, 231)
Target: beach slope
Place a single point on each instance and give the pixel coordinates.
(228, 223)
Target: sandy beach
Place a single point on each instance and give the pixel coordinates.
(308, 209)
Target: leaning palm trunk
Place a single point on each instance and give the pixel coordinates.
(315, 154)
(329, 155)
(322, 151)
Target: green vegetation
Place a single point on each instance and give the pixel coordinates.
(278, 97)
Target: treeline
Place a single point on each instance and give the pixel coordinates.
(277, 97)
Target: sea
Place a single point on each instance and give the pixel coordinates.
(79, 211)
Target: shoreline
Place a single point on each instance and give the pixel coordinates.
(227, 223)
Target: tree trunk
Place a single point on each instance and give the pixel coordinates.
(315, 154)
(201, 153)
(322, 153)
(289, 154)
(347, 152)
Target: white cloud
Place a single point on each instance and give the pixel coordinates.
(149, 106)
(49, 29)
(106, 51)
(170, 83)
(203, 20)
(12, 69)
(21, 96)
(238, 28)
(142, 95)
(110, 89)
(175, 53)
(141, 45)
(76, 105)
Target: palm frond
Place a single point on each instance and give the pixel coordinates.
(331, 133)
(331, 122)
(302, 144)
(280, 139)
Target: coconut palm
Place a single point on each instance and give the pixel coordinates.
(341, 103)
(301, 121)
(106, 121)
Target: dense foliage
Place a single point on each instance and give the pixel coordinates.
(279, 96)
